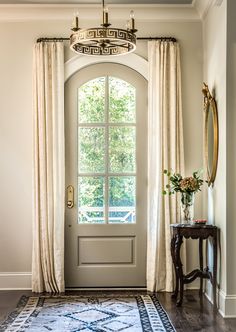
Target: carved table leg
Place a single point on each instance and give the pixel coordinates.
(214, 277)
(175, 294)
(201, 265)
(178, 242)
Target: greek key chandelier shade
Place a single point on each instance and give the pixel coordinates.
(103, 40)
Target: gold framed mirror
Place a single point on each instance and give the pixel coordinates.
(211, 134)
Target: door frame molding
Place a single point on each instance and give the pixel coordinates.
(133, 61)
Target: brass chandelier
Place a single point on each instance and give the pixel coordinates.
(103, 40)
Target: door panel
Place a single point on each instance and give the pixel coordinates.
(106, 250)
(106, 156)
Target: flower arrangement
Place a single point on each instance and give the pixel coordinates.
(187, 186)
(177, 183)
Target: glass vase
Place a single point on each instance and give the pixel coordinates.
(187, 204)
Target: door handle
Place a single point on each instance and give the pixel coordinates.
(70, 197)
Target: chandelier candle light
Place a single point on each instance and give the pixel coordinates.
(103, 40)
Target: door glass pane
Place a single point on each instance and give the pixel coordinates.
(107, 149)
(121, 101)
(122, 149)
(122, 192)
(91, 199)
(92, 101)
(91, 150)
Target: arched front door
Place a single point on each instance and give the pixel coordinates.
(106, 167)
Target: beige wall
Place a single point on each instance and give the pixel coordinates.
(16, 40)
(231, 150)
(219, 31)
(214, 45)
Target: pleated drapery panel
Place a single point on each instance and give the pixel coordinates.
(165, 151)
(49, 168)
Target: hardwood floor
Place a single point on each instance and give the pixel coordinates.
(194, 315)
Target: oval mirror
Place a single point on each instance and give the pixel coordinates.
(211, 133)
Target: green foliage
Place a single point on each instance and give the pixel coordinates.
(122, 149)
(92, 101)
(91, 191)
(91, 150)
(188, 185)
(94, 155)
(121, 101)
(122, 191)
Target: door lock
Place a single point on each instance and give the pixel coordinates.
(70, 197)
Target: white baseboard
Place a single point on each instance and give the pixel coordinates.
(230, 306)
(226, 303)
(15, 280)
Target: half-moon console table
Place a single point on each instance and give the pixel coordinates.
(201, 232)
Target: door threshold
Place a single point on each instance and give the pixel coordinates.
(106, 288)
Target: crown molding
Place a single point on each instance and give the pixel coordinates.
(217, 3)
(143, 13)
(203, 6)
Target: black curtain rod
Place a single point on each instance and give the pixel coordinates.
(158, 38)
(46, 39)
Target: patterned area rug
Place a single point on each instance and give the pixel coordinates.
(88, 313)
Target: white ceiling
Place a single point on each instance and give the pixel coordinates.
(165, 2)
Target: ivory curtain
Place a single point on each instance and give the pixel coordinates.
(165, 151)
(49, 168)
